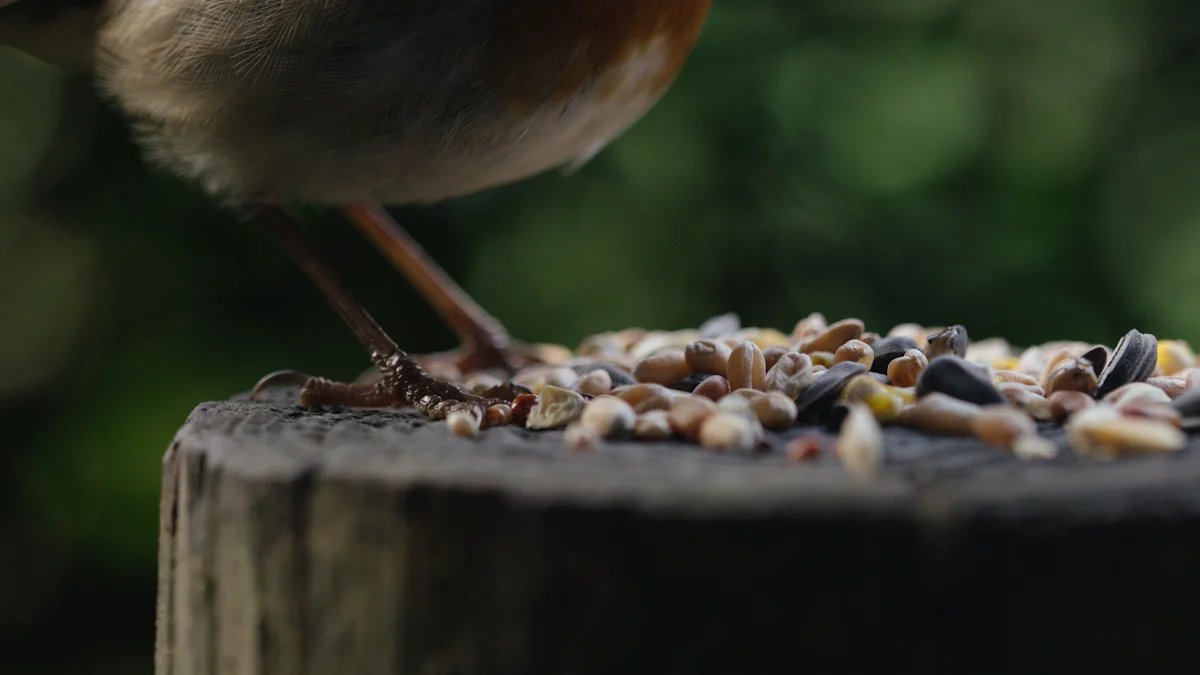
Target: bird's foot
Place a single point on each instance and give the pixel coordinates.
(402, 382)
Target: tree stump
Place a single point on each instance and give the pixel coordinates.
(373, 542)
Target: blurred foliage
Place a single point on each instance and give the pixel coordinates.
(1030, 169)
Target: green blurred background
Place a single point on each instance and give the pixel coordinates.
(1028, 168)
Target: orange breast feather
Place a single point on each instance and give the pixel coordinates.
(549, 50)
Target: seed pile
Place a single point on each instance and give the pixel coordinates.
(723, 385)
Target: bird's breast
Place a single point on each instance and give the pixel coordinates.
(550, 51)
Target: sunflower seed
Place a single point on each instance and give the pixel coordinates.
(1071, 374)
(889, 349)
(1189, 404)
(688, 384)
(819, 397)
(952, 340)
(619, 376)
(1133, 361)
(1098, 356)
(953, 376)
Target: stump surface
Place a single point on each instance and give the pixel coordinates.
(374, 542)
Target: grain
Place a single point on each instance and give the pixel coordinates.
(859, 445)
(906, 370)
(713, 388)
(747, 367)
(729, 432)
(688, 413)
(708, 356)
(774, 410)
(835, 336)
(653, 426)
(855, 351)
(666, 367)
(608, 416)
(596, 383)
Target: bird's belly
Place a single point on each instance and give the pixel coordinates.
(459, 159)
(400, 112)
(569, 134)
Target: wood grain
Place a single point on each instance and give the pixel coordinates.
(374, 542)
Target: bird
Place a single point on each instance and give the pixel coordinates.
(358, 105)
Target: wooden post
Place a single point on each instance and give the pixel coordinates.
(374, 543)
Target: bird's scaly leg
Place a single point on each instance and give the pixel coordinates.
(403, 381)
(485, 343)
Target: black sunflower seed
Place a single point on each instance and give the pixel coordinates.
(819, 397)
(620, 376)
(1134, 360)
(889, 349)
(952, 340)
(690, 382)
(955, 377)
(1188, 405)
(1098, 356)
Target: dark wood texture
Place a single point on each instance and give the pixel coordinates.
(373, 542)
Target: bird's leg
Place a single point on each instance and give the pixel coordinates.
(403, 380)
(485, 343)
